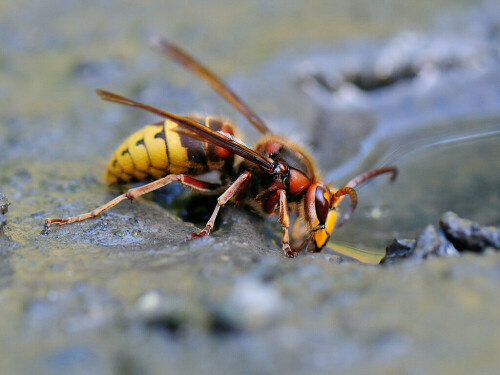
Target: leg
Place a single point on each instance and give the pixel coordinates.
(298, 234)
(301, 239)
(134, 193)
(237, 186)
(284, 220)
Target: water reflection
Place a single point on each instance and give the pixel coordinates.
(459, 172)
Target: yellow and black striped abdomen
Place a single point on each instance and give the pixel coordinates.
(157, 150)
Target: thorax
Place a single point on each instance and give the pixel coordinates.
(262, 190)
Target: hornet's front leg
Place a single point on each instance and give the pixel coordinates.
(284, 220)
(236, 187)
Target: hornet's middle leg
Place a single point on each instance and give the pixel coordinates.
(284, 220)
(236, 187)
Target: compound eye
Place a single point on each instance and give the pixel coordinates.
(322, 202)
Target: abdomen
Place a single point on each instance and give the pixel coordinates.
(157, 150)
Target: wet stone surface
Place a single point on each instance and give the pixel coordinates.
(125, 293)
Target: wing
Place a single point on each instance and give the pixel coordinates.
(178, 55)
(197, 129)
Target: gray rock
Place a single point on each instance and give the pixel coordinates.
(4, 207)
(4, 204)
(432, 243)
(397, 250)
(468, 235)
(456, 235)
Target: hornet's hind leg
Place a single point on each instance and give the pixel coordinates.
(134, 193)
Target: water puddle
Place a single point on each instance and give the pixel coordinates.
(449, 167)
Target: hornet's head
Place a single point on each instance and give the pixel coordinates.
(320, 214)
